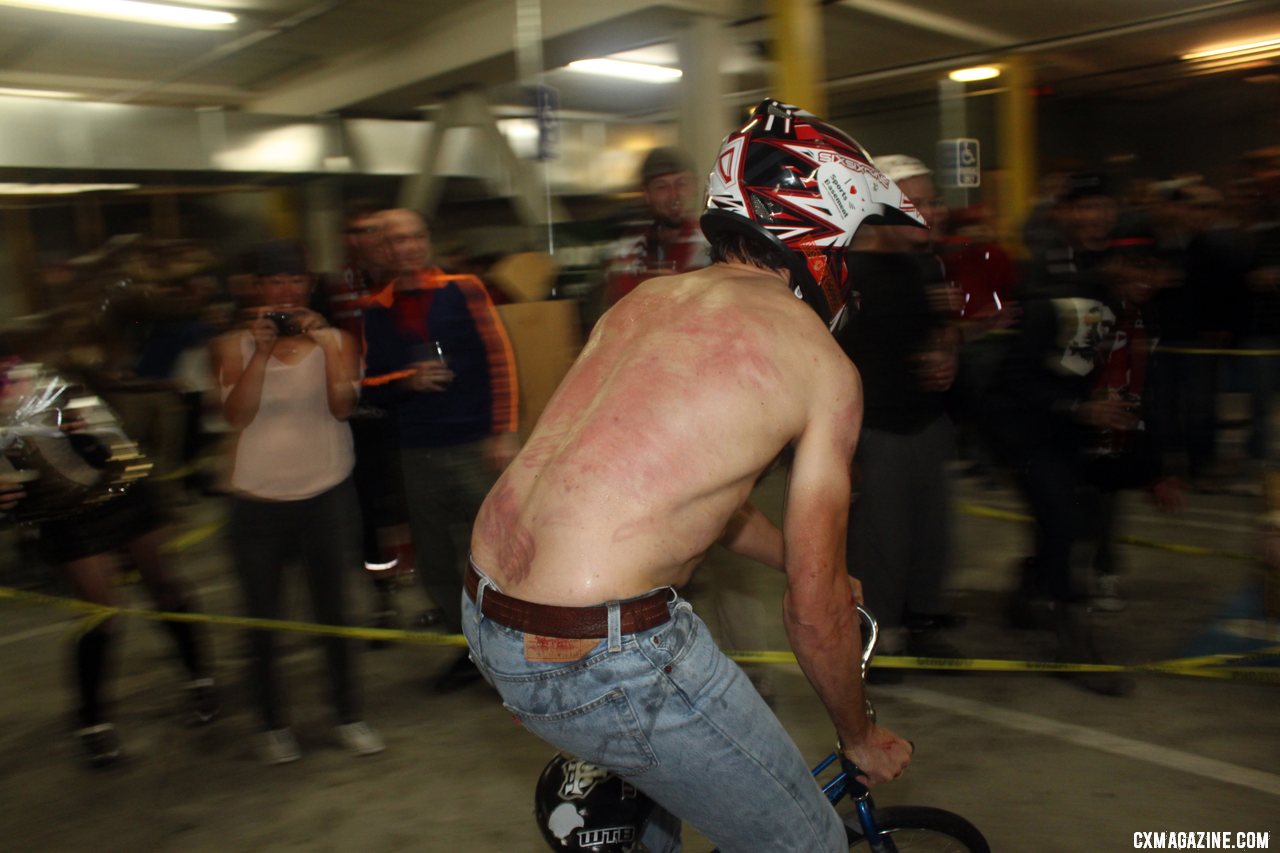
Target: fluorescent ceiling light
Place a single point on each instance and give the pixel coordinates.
(1239, 61)
(36, 93)
(639, 71)
(1241, 50)
(134, 11)
(60, 189)
(970, 75)
(1235, 63)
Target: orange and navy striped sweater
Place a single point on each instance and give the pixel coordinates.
(403, 325)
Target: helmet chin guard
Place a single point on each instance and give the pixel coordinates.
(805, 187)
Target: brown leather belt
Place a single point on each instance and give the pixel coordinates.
(574, 623)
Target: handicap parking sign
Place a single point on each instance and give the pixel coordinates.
(959, 163)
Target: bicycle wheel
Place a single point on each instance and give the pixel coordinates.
(920, 828)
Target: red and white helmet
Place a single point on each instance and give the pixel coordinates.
(805, 187)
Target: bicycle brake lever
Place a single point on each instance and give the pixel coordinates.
(869, 651)
(873, 634)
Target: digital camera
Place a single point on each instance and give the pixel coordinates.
(286, 324)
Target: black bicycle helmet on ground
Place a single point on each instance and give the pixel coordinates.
(582, 807)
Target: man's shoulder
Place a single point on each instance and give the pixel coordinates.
(464, 284)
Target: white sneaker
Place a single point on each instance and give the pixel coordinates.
(360, 738)
(202, 699)
(101, 744)
(1107, 598)
(279, 746)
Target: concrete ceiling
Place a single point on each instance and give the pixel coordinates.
(390, 57)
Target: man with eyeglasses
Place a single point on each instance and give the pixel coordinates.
(436, 349)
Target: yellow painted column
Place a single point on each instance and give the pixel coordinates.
(1016, 118)
(798, 58)
(282, 214)
(23, 253)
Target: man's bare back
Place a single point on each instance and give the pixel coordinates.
(685, 393)
(687, 390)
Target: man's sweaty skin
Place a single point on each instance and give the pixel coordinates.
(646, 455)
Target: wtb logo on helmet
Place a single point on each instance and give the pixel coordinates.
(609, 835)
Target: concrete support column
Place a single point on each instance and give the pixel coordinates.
(799, 65)
(705, 119)
(90, 230)
(322, 223)
(954, 125)
(1017, 125)
(166, 216)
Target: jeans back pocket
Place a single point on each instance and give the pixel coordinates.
(604, 731)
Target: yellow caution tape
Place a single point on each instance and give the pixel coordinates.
(981, 511)
(195, 466)
(99, 612)
(1240, 657)
(192, 537)
(1211, 666)
(1191, 667)
(1252, 675)
(1211, 351)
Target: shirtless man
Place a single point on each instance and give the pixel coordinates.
(686, 392)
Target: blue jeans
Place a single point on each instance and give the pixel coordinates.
(666, 710)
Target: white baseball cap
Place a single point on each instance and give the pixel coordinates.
(899, 167)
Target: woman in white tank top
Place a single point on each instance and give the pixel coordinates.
(289, 382)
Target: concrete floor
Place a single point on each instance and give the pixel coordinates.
(1035, 762)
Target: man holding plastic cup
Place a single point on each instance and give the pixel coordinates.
(437, 353)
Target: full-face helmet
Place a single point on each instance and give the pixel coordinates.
(582, 807)
(805, 187)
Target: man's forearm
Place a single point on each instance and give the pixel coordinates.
(751, 534)
(828, 647)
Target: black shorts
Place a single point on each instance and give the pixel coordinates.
(102, 528)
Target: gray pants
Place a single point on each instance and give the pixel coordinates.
(900, 522)
(444, 488)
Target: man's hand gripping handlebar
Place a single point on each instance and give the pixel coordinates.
(881, 755)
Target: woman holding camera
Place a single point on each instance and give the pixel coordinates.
(289, 381)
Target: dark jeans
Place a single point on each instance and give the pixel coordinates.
(323, 534)
(1062, 505)
(1262, 370)
(377, 479)
(1186, 397)
(444, 487)
(900, 524)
